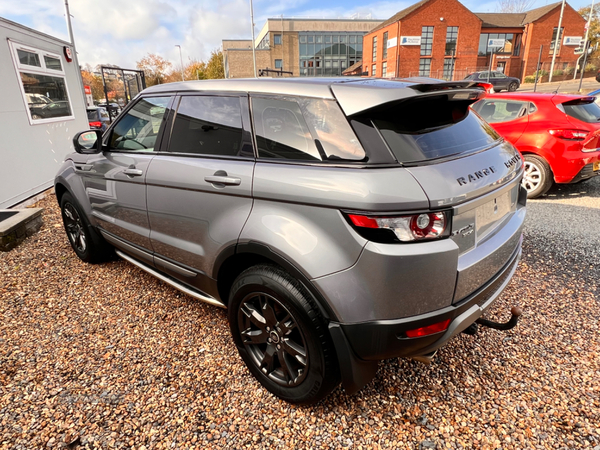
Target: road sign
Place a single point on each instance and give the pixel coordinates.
(496, 42)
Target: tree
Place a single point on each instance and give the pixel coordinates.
(594, 33)
(514, 6)
(93, 81)
(155, 68)
(214, 67)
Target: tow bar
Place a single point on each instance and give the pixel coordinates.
(514, 319)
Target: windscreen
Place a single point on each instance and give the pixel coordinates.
(432, 127)
(92, 114)
(586, 112)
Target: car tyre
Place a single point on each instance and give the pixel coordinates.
(512, 87)
(281, 335)
(537, 178)
(86, 242)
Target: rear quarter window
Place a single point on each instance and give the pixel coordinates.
(586, 112)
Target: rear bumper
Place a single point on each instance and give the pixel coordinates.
(586, 172)
(575, 166)
(382, 339)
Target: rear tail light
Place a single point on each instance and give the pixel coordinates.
(429, 329)
(406, 228)
(574, 135)
(95, 124)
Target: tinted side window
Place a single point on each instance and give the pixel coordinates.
(304, 129)
(281, 131)
(208, 125)
(138, 129)
(586, 112)
(498, 111)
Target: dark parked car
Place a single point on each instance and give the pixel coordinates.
(500, 81)
(98, 118)
(341, 222)
(47, 110)
(113, 109)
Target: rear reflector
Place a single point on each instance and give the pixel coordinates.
(429, 329)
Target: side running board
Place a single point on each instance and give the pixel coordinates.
(186, 290)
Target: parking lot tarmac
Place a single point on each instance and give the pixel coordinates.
(106, 356)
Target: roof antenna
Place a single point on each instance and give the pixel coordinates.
(556, 91)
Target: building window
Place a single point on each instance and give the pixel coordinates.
(426, 40)
(276, 39)
(385, 41)
(374, 48)
(374, 70)
(484, 38)
(265, 42)
(328, 54)
(448, 69)
(451, 37)
(517, 50)
(43, 84)
(424, 67)
(279, 63)
(384, 69)
(562, 30)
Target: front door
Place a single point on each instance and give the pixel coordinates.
(200, 186)
(115, 179)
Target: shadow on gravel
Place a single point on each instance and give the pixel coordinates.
(589, 188)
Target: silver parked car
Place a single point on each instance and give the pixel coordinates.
(340, 221)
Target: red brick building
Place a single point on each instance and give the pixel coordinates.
(443, 39)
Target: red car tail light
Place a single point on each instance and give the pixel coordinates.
(95, 124)
(429, 329)
(488, 87)
(574, 135)
(406, 228)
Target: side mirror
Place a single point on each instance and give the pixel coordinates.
(88, 142)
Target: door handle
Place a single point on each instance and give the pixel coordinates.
(133, 172)
(221, 179)
(229, 181)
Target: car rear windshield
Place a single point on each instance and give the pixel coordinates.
(92, 114)
(431, 128)
(584, 111)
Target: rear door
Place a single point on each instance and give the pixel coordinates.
(115, 179)
(200, 184)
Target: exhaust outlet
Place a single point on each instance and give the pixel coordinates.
(425, 359)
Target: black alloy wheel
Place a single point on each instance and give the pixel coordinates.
(273, 339)
(86, 242)
(512, 87)
(75, 228)
(281, 335)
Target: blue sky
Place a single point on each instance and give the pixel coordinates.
(123, 31)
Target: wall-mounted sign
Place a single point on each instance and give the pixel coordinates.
(88, 96)
(572, 40)
(410, 40)
(392, 42)
(496, 42)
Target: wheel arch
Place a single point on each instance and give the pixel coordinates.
(237, 258)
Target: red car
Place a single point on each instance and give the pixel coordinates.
(558, 135)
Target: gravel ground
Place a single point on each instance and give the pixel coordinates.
(108, 357)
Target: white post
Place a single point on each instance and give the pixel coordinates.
(253, 44)
(75, 59)
(558, 40)
(181, 60)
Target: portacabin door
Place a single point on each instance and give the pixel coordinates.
(199, 185)
(115, 179)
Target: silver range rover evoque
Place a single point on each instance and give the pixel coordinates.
(340, 221)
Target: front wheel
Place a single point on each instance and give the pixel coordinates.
(512, 87)
(538, 176)
(87, 244)
(281, 335)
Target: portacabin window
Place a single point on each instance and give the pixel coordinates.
(43, 84)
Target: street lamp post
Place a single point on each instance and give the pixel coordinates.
(557, 42)
(181, 60)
